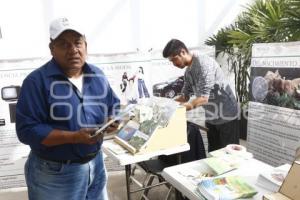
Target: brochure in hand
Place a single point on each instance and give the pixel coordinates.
(225, 188)
(123, 113)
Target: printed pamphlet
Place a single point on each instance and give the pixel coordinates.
(225, 188)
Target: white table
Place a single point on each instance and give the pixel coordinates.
(249, 169)
(126, 159)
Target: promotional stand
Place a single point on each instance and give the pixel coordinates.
(174, 134)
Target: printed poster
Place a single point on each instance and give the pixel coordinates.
(13, 154)
(274, 110)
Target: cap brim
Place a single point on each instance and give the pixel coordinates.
(53, 37)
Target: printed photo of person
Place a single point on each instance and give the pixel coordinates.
(127, 88)
(142, 89)
(125, 79)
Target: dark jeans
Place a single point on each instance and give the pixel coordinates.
(142, 89)
(221, 135)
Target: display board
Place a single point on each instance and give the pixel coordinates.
(274, 109)
(154, 123)
(159, 78)
(13, 154)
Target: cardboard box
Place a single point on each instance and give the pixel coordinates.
(174, 134)
(290, 188)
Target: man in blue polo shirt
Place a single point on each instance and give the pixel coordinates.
(60, 105)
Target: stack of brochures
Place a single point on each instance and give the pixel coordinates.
(224, 151)
(225, 188)
(272, 179)
(221, 165)
(123, 116)
(289, 190)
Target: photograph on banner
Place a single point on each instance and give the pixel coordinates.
(139, 75)
(276, 86)
(128, 75)
(169, 81)
(273, 133)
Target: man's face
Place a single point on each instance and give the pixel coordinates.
(178, 60)
(69, 50)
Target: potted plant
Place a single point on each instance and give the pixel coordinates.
(263, 21)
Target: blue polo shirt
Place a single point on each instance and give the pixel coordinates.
(48, 100)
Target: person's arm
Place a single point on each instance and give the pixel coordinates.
(114, 106)
(32, 115)
(181, 99)
(83, 136)
(204, 83)
(199, 101)
(185, 92)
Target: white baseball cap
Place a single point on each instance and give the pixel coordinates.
(60, 25)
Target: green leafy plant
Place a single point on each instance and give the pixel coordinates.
(263, 21)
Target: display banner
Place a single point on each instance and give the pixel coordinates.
(273, 134)
(136, 76)
(130, 75)
(13, 154)
(133, 77)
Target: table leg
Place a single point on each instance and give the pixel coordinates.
(128, 174)
(178, 195)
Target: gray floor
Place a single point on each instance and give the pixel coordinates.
(116, 185)
(116, 189)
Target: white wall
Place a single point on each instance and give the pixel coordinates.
(112, 26)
